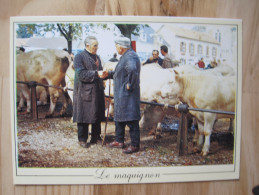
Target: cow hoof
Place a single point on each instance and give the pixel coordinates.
(65, 115)
(152, 132)
(196, 149)
(158, 136)
(23, 113)
(204, 153)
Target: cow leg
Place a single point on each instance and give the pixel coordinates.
(43, 98)
(196, 135)
(209, 120)
(21, 102)
(152, 115)
(66, 98)
(112, 108)
(70, 93)
(54, 95)
(26, 94)
(111, 111)
(158, 130)
(231, 125)
(199, 135)
(27, 97)
(141, 122)
(65, 103)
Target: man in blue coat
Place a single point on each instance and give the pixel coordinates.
(126, 96)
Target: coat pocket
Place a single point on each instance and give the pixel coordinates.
(86, 94)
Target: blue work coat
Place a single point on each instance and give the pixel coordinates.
(127, 101)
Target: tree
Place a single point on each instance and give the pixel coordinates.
(128, 29)
(26, 30)
(71, 31)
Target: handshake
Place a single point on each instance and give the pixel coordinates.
(103, 74)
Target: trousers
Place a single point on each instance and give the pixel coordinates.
(134, 132)
(82, 131)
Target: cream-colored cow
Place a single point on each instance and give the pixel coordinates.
(46, 67)
(206, 91)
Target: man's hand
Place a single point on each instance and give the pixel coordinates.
(103, 74)
(128, 88)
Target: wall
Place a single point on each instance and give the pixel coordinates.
(247, 10)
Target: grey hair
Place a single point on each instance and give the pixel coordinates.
(89, 40)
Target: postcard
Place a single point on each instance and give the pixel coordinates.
(125, 99)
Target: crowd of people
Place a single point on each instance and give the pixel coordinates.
(166, 62)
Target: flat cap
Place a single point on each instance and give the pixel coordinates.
(123, 41)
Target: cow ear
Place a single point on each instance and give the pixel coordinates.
(177, 75)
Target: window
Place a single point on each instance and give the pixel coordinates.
(183, 48)
(207, 51)
(199, 49)
(214, 51)
(191, 49)
(218, 36)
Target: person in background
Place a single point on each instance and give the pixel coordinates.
(88, 97)
(114, 58)
(167, 61)
(201, 63)
(154, 58)
(22, 49)
(126, 78)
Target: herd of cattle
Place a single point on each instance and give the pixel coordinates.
(206, 89)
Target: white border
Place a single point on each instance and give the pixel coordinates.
(126, 175)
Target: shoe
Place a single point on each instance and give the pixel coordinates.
(96, 141)
(83, 144)
(99, 138)
(116, 144)
(93, 141)
(131, 149)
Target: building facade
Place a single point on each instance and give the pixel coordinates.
(189, 46)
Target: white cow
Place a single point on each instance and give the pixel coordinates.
(69, 78)
(157, 85)
(205, 91)
(46, 67)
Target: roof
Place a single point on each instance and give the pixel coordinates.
(185, 33)
(44, 42)
(21, 42)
